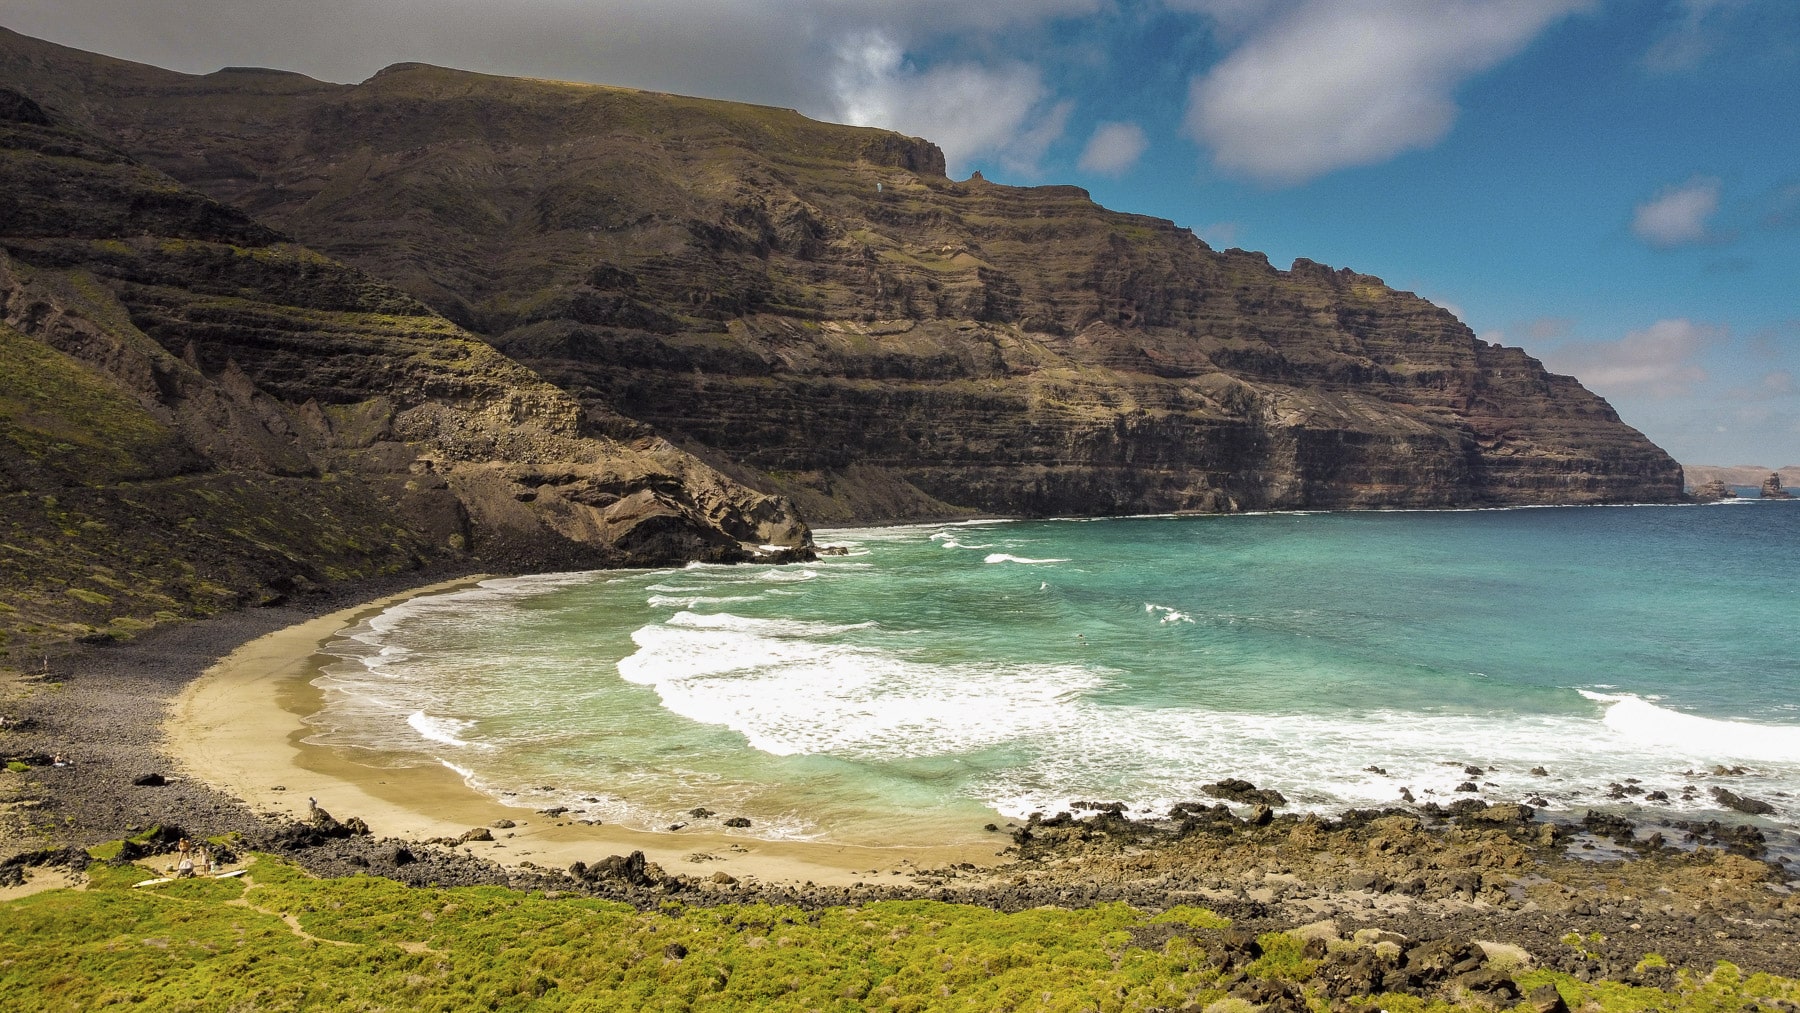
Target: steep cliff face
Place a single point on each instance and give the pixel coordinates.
(196, 413)
(826, 314)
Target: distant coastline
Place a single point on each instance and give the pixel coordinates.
(1739, 475)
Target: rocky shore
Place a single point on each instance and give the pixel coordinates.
(1591, 898)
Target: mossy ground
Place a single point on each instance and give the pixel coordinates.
(279, 940)
(67, 421)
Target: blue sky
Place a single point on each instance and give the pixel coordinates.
(1612, 184)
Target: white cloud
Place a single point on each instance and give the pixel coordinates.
(1659, 361)
(1331, 84)
(1546, 328)
(1677, 215)
(1221, 235)
(1113, 149)
(1774, 385)
(1702, 29)
(1232, 17)
(969, 109)
(1783, 207)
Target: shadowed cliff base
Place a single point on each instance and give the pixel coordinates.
(823, 307)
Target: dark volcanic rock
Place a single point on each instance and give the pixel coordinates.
(1239, 790)
(631, 870)
(1742, 803)
(1546, 999)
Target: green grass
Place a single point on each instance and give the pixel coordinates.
(70, 419)
(280, 940)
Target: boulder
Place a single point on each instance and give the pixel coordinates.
(1238, 790)
(1546, 999)
(1504, 814)
(1742, 803)
(1489, 982)
(632, 869)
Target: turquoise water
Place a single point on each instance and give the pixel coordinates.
(939, 675)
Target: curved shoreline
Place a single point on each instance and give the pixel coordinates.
(237, 727)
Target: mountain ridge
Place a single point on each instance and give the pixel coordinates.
(823, 312)
(819, 311)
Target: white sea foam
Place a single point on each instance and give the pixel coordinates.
(1153, 756)
(1007, 557)
(1165, 614)
(788, 576)
(696, 600)
(1639, 720)
(792, 687)
(789, 688)
(448, 731)
(949, 540)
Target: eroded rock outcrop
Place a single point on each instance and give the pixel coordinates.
(1713, 491)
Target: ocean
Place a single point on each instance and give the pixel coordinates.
(939, 677)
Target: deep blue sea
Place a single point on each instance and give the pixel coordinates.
(940, 676)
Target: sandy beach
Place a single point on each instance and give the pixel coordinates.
(238, 728)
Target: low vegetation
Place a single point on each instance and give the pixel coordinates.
(278, 939)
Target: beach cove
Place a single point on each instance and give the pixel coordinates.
(238, 728)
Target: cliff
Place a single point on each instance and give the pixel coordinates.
(820, 311)
(197, 414)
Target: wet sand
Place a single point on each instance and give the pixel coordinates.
(238, 727)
